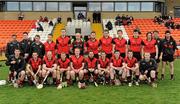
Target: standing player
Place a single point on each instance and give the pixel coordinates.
(131, 68)
(63, 43)
(135, 44)
(17, 66)
(120, 44)
(150, 46)
(11, 46)
(37, 46)
(77, 68)
(103, 68)
(147, 69)
(25, 45)
(78, 43)
(63, 69)
(49, 66)
(91, 67)
(106, 44)
(92, 45)
(50, 45)
(117, 68)
(33, 69)
(168, 49)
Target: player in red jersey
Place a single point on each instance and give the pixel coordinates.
(50, 45)
(49, 66)
(63, 43)
(91, 67)
(131, 68)
(150, 46)
(92, 45)
(63, 69)
(77, 67)
(135, 44)
(33, 68)
(78, 43)
(117, 72)
(106, 44)
(103, 68)
(120, 44)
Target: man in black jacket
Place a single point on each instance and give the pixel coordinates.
(17, 68)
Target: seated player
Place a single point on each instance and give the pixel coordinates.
(77, 66)
(117, 68)
(103, 68)
(49, 66)
(17, 66)
(63, 69)
(131, 68)
(91, 67)
(147, 69)
(33, 69)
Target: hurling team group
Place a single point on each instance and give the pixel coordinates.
(107, 61)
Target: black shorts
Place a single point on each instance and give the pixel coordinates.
(109, 55)
(169, 58)
(137, 55)
(153, 55)
(123, 55)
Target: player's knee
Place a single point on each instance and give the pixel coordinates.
(141, 77)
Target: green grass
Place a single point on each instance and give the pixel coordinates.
(168, 92)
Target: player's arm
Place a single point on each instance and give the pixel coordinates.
(142, 49)
(39, 68)
(71, 66)
(45, 68)
(7, 50)
(157, 51)
(99, 67)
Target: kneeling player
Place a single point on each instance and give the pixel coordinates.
(63, 69)
(131, 68)
(117, 68)
(103, 68)
(17, 66)
(33, 69)
(91, 67)
(49, 67)
(77, 66)
(147, 69)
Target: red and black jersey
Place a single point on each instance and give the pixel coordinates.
(106, 44)
(120, 44)
(92, 46)
(103, 64)
(50, 47)
(63, 44)
(77, 62)
(130, 62)
(78, 44)
(35, 63)
(135, 44)
(91, 62)
(149, 46)
(168, 47)
(117, 62)
(64, 64)
(49, 63)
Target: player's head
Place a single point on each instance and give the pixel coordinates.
(37, 38)
(149, 36)
(103, 55)
(93, 35)
(17, 52)
(91, 54)
(14, 37)
(147, 56)
(106, 33)
(77, 51)
(78, 36)
(25, 35)
(35, 55)
(49, 37)
(136, 33)
(63, 32)
(130, 54)
(156, 33)
(167, 34)
(63, 56)
(116, 54)
(119, 33)
(49, 54)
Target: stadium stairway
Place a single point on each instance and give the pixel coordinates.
(97, 27)
(57, 31)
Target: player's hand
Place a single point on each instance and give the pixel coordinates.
(160, 57)
(13, 62)
(156, 57)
